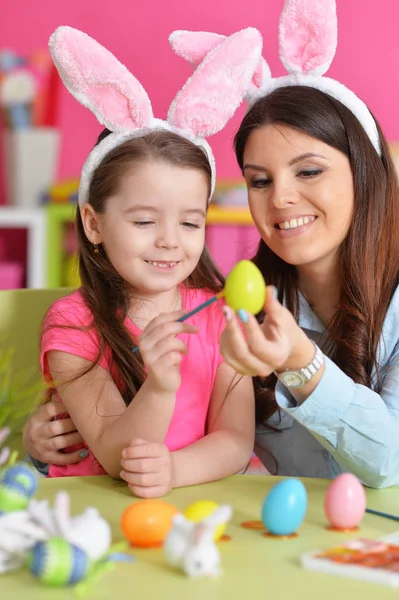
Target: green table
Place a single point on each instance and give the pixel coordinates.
(254, 566)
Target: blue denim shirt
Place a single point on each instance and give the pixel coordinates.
(342, 426)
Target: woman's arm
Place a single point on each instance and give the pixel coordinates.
(45, 437)
(358, 426)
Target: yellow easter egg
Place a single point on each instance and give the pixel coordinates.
(201, 510)
(245, 288)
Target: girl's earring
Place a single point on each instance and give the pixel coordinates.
(96, 250)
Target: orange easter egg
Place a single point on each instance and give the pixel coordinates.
(146, 523)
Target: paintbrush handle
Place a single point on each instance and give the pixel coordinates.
(382, 514)
(192, 312)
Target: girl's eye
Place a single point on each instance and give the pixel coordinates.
(191, 225)
(143, 223)
(259, 183)
(309, 173)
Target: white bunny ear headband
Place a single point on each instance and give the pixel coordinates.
(202, 107)
(308, 41)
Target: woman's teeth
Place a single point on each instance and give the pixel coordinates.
(295, 222)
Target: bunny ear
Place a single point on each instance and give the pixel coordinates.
(222, 514)
(99, 81)
(62, 511)
(201, 531)
(262, 74)
(308, 35)
(193, 46)
(215, 90)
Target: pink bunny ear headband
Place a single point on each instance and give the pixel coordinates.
(202, 107)
(308, 41)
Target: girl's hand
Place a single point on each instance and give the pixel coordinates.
(45, 438)
(147, 468)
(258, 350)
(162, 351)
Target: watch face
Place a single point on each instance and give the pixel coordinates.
(292, 379)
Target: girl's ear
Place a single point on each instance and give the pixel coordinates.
(90, 222)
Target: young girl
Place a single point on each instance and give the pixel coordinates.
(174, 406)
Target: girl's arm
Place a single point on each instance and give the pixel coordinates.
(229, 443)
(96, 406)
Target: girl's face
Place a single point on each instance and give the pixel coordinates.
(301, 194)
(153, 229)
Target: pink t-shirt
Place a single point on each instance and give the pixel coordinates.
(198, 367)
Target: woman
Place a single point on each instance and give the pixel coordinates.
(326, 206)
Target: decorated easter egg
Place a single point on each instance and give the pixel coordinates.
(245, 288)
(17, 486)
(147, 522)
(345, 502)
(285, 507)
(197, 511)
(58, 563)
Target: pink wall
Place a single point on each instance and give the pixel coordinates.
(136, 32)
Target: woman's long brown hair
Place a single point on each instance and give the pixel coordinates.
(369, 256)
(102, 288)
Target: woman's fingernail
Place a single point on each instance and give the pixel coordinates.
(228, 315)
(242, 315)
(84, 454)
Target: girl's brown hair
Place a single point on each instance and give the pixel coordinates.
(102, 288)
(369, 256)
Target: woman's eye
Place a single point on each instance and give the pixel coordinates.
(143, 223)
(259, 183)
(309, 173)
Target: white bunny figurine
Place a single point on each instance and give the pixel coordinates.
(18, 534)
(89, 531)
(191, 546)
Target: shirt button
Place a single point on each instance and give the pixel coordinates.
(308, 420)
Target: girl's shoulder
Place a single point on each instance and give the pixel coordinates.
(70, 309)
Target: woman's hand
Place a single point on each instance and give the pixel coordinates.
(275, 345)
(45, 438)
(162, 351)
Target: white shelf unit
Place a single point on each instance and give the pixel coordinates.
(34, 221)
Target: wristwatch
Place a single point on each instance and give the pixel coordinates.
(297, 379)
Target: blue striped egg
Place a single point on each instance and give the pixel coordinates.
(17, 486)
(56, 562)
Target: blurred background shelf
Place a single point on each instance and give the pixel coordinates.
(34, 221)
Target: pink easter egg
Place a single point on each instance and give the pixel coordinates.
(345, 502)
